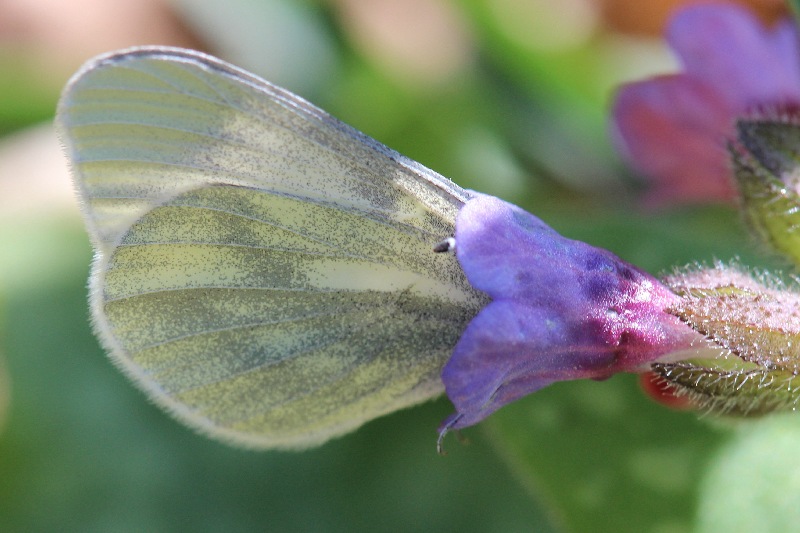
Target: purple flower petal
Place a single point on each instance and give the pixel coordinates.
(674, 129)
(786, 47)
(510, 350)
(562, 310)
(726, 46)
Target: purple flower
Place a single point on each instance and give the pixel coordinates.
(674, 128)
(561, 310)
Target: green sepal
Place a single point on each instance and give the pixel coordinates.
(766, 164)
(754, 323)
(731, 386)
(762, 327)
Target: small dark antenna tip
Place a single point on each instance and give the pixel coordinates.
(447, 245)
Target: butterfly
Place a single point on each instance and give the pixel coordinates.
(264, 272)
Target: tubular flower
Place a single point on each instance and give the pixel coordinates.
(720, 338)
(561, 310)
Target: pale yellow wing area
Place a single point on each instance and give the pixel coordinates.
(264, 271)
(142, 124)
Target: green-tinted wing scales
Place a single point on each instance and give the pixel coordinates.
(265, 272)
(280, 321)
(142, 125)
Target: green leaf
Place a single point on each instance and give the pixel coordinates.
(753, 484)
(606, 458)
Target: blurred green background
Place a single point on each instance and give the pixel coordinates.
(508, 97)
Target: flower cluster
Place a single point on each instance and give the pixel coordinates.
(725, 128)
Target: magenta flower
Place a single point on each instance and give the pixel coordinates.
(561, 310)
(674, 128)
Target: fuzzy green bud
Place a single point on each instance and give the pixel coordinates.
(766, 164)
(756, 323)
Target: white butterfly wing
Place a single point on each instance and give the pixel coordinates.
(264, 271)
(143, 124)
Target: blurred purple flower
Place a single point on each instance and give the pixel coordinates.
(561, 310)
(674, 128)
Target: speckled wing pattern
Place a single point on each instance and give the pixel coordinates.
(262, 270)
